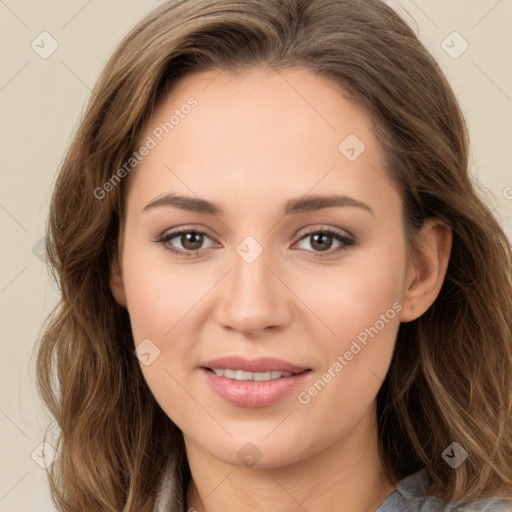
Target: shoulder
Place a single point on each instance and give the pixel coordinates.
(411, 496)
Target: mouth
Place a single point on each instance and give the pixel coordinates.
(253, 383)
(242, 375)
(261, 365)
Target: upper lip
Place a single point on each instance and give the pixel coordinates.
(262, 364)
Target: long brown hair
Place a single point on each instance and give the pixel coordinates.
(451, 375)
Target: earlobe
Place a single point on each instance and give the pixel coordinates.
(427, 270)
(116, 282)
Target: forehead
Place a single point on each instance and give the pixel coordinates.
(251, 107)
(260, 134)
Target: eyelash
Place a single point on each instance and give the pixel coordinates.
(164, 239)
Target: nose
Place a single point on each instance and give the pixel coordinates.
(254, 300)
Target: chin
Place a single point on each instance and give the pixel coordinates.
(256, 451)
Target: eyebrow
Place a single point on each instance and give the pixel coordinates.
(292, 207)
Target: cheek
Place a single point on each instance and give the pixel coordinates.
(360, 304)
(364, 315)
(160, 296)
(161, 302)
(165, 303)
(357, 295)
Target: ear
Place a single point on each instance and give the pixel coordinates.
(116, 282)
(426, 269)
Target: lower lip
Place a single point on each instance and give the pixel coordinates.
(254, 394)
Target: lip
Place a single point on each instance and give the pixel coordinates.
(254, 394)
(262, 364)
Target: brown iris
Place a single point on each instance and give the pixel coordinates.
(191, 241)
(321, 241)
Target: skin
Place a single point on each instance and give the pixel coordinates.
(256, 140)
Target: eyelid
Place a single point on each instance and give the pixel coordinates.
(323, 228)
(186, 229)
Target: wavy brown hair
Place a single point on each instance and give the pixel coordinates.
(450, 379)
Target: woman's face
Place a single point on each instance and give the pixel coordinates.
(261, 231)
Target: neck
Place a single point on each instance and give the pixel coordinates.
(348, 474)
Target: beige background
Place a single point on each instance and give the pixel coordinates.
(41, 100)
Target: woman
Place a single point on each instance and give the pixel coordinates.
(280, 290)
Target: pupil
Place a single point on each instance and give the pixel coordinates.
(321, 241)
(192, 240)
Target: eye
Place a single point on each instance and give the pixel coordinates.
(324, 240)
(194, 243)
(186, 241)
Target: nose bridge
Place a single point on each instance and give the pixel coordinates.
(253, 298)
(251, 279)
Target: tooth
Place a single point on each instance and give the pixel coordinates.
(241, 375)
(261, 376)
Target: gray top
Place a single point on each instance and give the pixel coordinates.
(410, 496)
